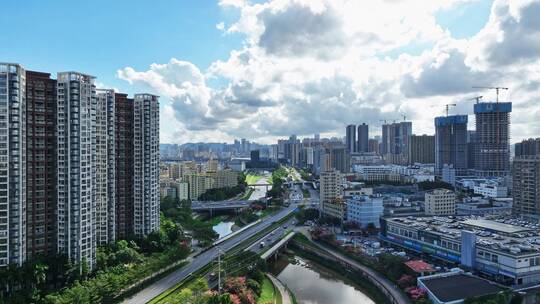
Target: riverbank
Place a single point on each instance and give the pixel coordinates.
(339, 273)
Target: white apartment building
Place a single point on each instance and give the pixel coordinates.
(12, 164)
(104, 166)
(331, 188)
(146, 162)
(440, 202)
(76, 208)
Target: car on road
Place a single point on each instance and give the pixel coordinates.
(261, 244)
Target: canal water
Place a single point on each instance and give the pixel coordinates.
(223, 228)
(312, 284)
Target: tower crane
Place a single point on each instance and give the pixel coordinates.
(447, 106)
(477, 98)
(497, 89)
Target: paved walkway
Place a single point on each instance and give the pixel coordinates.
(397, 294)
(285, 298)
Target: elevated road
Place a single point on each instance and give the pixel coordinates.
(220, 205)
(199, 261)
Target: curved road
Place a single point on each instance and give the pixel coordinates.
(397, 294)
(203, 259)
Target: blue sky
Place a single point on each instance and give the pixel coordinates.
(99, 37)
(265, 91)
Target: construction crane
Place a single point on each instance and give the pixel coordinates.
(477, 98)
(404, 117)
(448, 105)
(497, 89)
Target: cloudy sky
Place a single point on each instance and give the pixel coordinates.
(266, 69)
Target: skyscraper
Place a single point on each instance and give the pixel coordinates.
(526, 186)
(76, 209)
(124, 165)
(421, 149)
(104, 161)
(492, 146)
(395, 141)
(350, 138)
(40, 164)
(146, 161)
(12, 164)
(363, 138)
(451, 143)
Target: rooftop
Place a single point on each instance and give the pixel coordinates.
(500, 233)
(419, 266)
(495, 226)
(459, 287)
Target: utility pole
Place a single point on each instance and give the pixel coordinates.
(219, 270)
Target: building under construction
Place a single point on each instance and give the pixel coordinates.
(492, 145)
(451, 143)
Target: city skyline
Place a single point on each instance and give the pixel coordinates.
(221, 75)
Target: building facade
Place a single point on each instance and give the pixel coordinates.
(331, 193)
(363, 138)
(395, 142)
(104, 159)
(529, 146)
(451, 143)
(440, 202)
(492, 146)
(12, 164)
(350, 138)
(40, 164)
(146, 162)
(365, 210)
(124, 145)
(526, 186)
(76, 209)
(421, 149)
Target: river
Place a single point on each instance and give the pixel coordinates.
(312, 284)
(223, 228)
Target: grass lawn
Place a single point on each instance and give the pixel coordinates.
(269, 295)
(252, 178)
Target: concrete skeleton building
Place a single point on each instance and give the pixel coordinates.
(492, 144)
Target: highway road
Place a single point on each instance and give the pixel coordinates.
(203, 259)
(272, 238)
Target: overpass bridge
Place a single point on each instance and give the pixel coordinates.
(211, 206)
(266, 185)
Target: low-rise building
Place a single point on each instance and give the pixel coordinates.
(483, 207)
(365, 210)
(506, 250)
(440, 202)
(336, 208)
